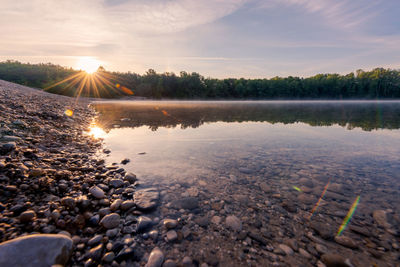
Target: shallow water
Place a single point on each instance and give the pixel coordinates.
(222, 151)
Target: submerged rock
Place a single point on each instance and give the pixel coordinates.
(146, 199)
(188, 203)
(36, 250)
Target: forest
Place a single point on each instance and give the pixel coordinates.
(379, 83)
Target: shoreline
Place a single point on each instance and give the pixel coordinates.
(51, 182)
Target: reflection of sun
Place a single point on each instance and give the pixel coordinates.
(88, 64)
(96, 131)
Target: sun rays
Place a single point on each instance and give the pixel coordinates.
(96, 84)
(91, 81)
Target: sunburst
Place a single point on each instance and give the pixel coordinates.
(91, 80)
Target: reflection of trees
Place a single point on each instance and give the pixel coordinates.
(367, 116)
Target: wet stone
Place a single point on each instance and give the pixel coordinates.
(144, 223)
(188, 203)
(380, 218)
(130, 177)
(146, 199)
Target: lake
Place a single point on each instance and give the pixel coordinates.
(289, 171)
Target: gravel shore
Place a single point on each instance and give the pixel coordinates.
(52, 183)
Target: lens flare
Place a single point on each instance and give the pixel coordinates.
(319, 200)
(296, 188)
(69, 112)
(348, 216)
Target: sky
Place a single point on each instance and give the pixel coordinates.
(219, 38)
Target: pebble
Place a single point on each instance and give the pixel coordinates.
(96, 252)
(116, 204)
(27, 216)
(127, 204)
(188, 203)
(334, 260)
(233, 223)
(187, 261)
(112, 232)
(144, 223)
(286, 249)
(95, 240)
(170, 223)
(108, 257)
(97, 192)
(110, 221)
(346, 241)
(156, 258)
(216, 219)
(304, 253)
(172, 236)
(130, 177)
(116, 183)
(169, 263)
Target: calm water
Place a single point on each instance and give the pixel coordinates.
(179, 141)
(268, 164)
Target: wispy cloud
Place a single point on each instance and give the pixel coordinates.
(338, 13)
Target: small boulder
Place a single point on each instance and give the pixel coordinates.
(36, 250)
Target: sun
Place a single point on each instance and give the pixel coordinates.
(88, 64)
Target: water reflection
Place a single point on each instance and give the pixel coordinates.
(350, 114)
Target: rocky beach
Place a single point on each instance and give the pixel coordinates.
(62, 204)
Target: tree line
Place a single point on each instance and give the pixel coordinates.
(378, 83)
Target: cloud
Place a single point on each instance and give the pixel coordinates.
(338, 13)
(170, 16)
